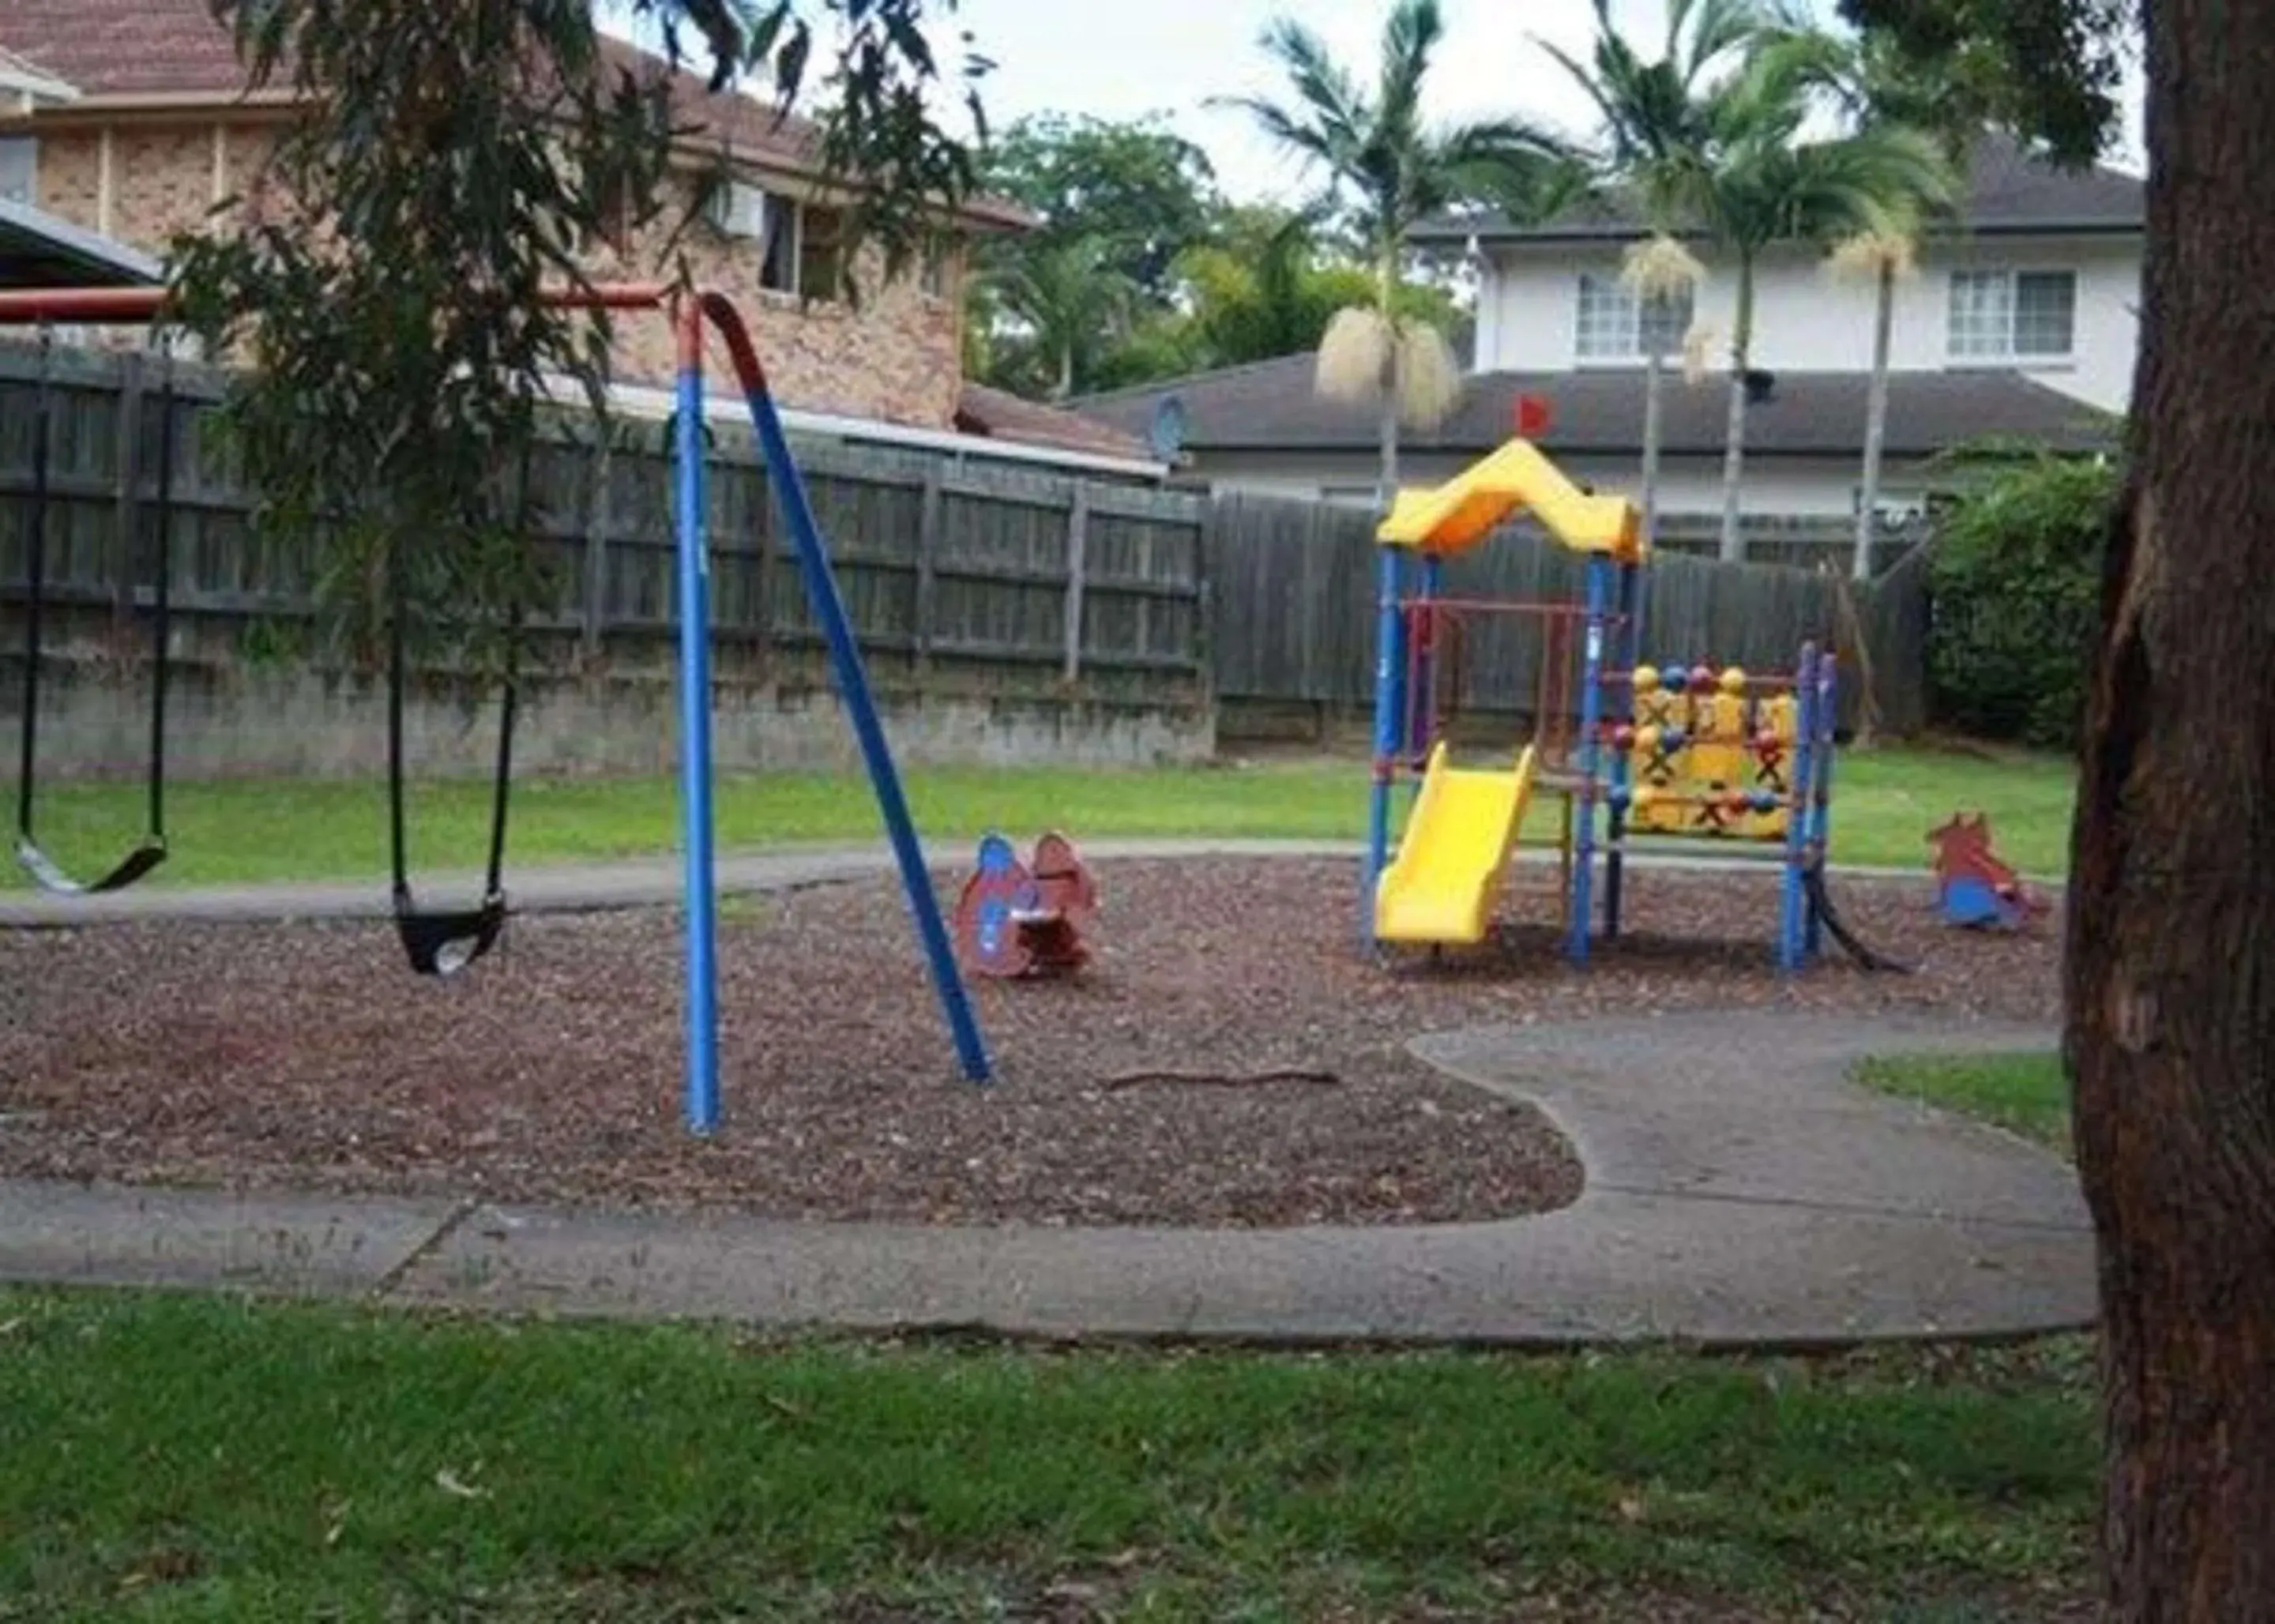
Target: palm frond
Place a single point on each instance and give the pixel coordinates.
(1337, 107)
(1409, 39)
(1660, 268)
(1313, 143)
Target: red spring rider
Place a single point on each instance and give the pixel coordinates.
(1013, 920)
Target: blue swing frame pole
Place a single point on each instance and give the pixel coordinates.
(829, 604)
(1389, 721)
(1793, 901)
(1582, 924)
(695, 738)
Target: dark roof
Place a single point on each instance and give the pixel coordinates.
(155, 50)
(39, 251)
(1272, 406)
(1000, 415)
(2008, 193)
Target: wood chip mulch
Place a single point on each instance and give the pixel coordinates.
(306, 1056)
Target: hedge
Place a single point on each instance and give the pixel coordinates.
(2016, 579)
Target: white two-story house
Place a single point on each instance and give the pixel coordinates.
(2019, 322)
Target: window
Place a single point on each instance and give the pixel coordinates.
(19, 168)
(778, 247)
(1616, 325)
(821, 252)
(801, 248)
(932, 279)
(744, 212)
(2012, 315)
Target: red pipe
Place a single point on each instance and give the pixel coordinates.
(22, 306)
(687, 322)
(1510, 605)
(741, 352)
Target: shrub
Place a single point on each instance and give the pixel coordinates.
(2016, 581)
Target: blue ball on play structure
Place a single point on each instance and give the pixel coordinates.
(1673, 678)
(1673, 739)
(1620, 796)
(1764, 800)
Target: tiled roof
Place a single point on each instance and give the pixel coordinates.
(130, 48)
(114, 47)
(1003, 416)
(1272, 406)
(2008, 192)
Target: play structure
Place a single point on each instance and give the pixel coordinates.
(1015, 919)
(446, 941)
(1973, 888)
(1677, 751)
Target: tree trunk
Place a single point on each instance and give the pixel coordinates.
(1386, 492)
(1654, 388)
(1876, 424)
(1064, 389)
(1733, 448)
(2171, 968)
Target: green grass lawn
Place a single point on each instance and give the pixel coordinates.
(174, 1457)
(2026, 1095)
(246, 832)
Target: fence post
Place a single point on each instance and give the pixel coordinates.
(1208, 528)
(928, 563)
(599, 501)
(1077, 543)
(126, 496)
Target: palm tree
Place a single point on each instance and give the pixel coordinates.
(1386, 170)
(1661, 272)
(1711, 137)
(1885, 256)
(1878, 84)
(1071, 303)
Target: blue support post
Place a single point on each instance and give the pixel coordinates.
(1820, 835)
(1591, 716)
(1389, 723)
(1793, 908)
(853, 683)
(695, 755)
(1615, 860)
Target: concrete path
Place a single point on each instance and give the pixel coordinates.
(1740, 1192)
(650, 882)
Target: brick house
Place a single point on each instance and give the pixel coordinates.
(130, 119)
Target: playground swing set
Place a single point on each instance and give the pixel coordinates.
(1679, 751)
(444, 942)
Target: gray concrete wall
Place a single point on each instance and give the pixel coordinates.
(296, 722)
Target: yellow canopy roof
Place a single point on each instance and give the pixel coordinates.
(1517, 479)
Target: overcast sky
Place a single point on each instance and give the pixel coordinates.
(1125, 58)
(1171, 55)
(1122, 60)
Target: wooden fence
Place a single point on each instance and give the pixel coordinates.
(963, 580)
(1294, 614)
(969, 577)
(1808, 541)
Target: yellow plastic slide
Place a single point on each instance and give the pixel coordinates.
(1450, 865)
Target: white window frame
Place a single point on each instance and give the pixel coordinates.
(738, 210)
(28, 147)
(2001, 350)
(1625, 324)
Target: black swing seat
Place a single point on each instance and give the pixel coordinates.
(442, 942)
(50, 877)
